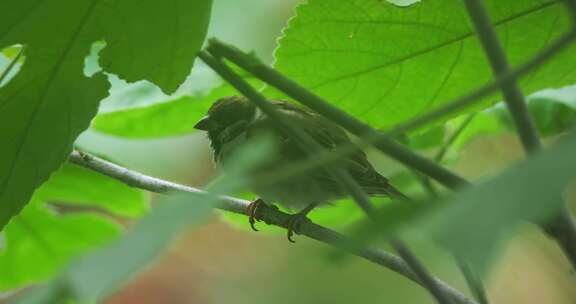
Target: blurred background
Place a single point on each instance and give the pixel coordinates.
(225, 262)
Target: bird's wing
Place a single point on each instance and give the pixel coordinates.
(330, 136)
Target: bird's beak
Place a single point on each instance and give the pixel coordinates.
(205, 124)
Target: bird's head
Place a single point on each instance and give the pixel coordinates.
(226, 112)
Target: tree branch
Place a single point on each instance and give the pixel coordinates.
(269, 215)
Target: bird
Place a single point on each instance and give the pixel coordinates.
(233, 121)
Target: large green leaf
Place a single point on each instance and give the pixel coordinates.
(38, 242)
(50, 101)
(385, 64)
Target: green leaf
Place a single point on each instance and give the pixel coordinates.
(385, 64)
(75, 185)
(49, 102)
(154, 40)
(38, 242)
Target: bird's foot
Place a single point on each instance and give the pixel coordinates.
(252, 210)
(294, 223)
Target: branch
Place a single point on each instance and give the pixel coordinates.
(269, 215)
(308, 144)
(561, 228)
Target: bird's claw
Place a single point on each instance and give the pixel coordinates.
(294, 223)
(251, 210)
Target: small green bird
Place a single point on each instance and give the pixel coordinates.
(231, 121)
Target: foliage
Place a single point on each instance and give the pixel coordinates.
(382, 62)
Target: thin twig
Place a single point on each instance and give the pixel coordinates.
(11, 65)
(269, 215)
(309, 145)
(562, 227)
(384, 142)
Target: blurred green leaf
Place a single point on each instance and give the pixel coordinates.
(57, 238)
(385, 64)
(74, 185)
(470, 223)
(110, 267)
(38, 243)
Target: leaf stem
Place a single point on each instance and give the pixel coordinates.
(269, 215)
